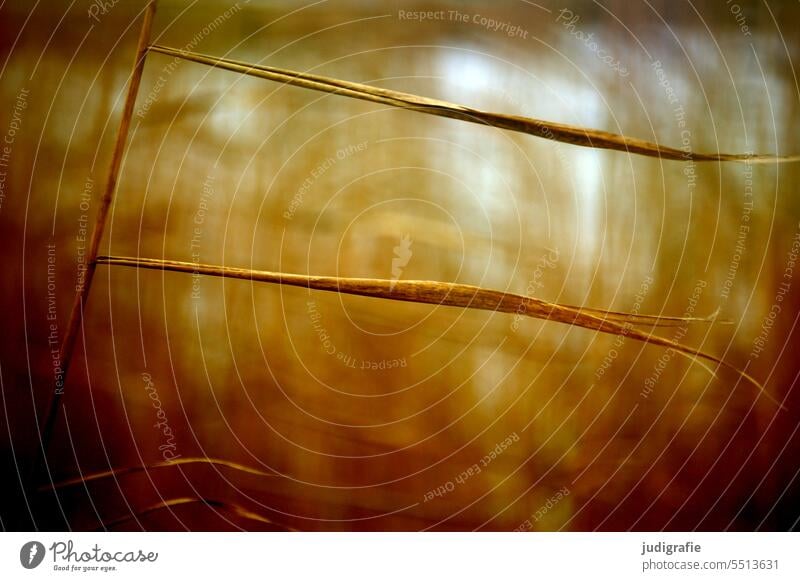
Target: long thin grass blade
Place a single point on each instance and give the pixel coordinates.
(435, 293)
(117, 472)
(233, 508)
(545, 129)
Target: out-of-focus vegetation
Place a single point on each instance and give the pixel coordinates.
(387, 415)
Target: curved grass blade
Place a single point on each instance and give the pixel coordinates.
(144, 467)
(232, 508)
(571, 134)
(436, 293)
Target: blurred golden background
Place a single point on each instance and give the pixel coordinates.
(381, 415)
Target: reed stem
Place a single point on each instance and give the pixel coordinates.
(76, 316)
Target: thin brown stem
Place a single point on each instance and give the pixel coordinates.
(76, 316)
(545, 129)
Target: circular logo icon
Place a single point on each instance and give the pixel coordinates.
(31, 554)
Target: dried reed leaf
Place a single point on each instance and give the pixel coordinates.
(144, 467)
(545, 129)
(437, 293)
